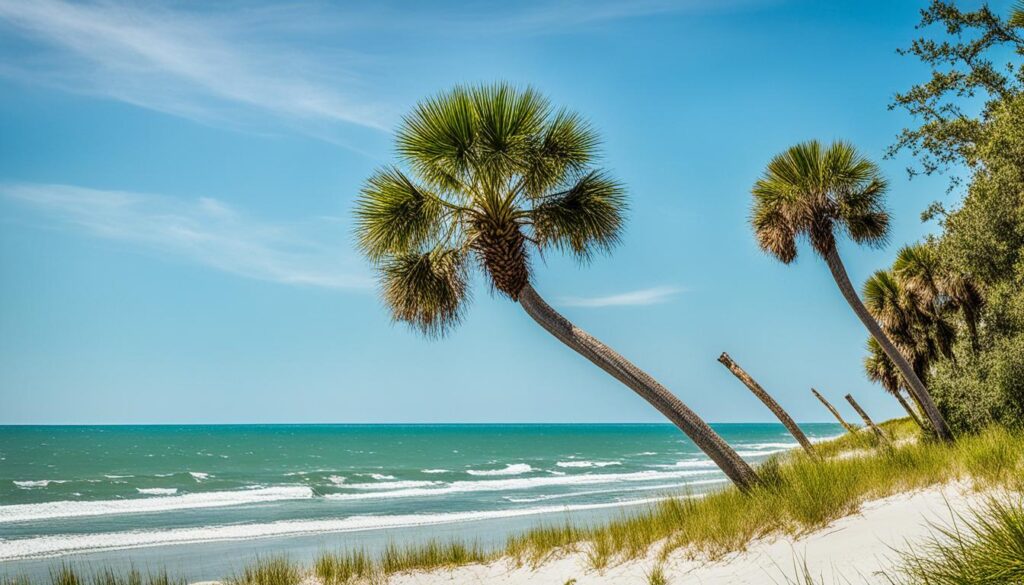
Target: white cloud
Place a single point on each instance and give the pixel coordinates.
(209, 66)
(205, 231)
(646, 296)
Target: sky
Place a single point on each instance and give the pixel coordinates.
(177, 181)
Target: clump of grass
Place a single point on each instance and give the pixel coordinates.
(277, 570)
(991, 456)
(536, 545)
(430, 555)
(344, 567)
(987, 548)
(657, 576)
(65, 574)
(15, 580)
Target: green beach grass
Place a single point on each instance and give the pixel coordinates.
(797, 495)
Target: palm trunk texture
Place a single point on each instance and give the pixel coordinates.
(643, 384)
(768, 401)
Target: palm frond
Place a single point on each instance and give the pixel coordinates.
(586, 218)
(426, 290)
(566, 146)
(438, 139)
(774, 232)
(394, 215)
(1017, 14)
(880, 369)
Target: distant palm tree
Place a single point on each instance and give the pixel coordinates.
(880, 369)
(811, 192)
(918, 266)
(917, 330)
(495, 174)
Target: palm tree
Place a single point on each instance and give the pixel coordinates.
(918, 332)
(494, 176)
(762, 395)
(880, 369)
(1017, 14)
(811, 192)
(918, 266)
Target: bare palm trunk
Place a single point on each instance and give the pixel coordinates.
(910, 410)
(864, 416)
(914, 385)
(768, 401)
(643, 384)
(849, 428)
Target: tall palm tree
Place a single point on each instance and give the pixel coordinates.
(1017, 14)
(880, 369)
(919, 267)
(494, 176)
(812, 192)
(766, 398)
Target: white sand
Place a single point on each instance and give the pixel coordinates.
(851, 550)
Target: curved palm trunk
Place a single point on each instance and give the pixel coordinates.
(910, 410)
(914, 385)
(849, 428)
(643, 384)
(864, 416)
(768, 401)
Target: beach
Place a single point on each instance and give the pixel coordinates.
(203, 501)
(861, 548)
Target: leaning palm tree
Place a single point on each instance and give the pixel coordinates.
(880, 369)
(494, 175)
(918, 266)
(813, 192)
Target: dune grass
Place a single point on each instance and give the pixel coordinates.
(276, 570)
(797, 495)
(985, 546)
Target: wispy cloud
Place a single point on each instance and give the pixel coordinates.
(320, 68)
(205, 231)
(646, 296)
(203, 65)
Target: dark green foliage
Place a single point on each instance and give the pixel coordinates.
(971, 68)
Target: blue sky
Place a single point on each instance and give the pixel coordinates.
(176, 183)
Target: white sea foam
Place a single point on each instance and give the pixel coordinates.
(381, 476)
(391, 485)
(669, 486)
(770, 445)
(510, 469)
(336, 479)
(687, 464)
(74, 509)
(524, 483)
(199, 476)
(157, 491)
(111, 476)
(750, 453)
(38, 483)
(43, 546)
(587, 463)
(434, 471)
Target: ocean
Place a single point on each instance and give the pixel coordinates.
(202, 501)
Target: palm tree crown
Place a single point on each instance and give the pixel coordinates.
(919, 267)
(493, 171)
(809, 191)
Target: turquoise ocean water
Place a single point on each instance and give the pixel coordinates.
(203, 500)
